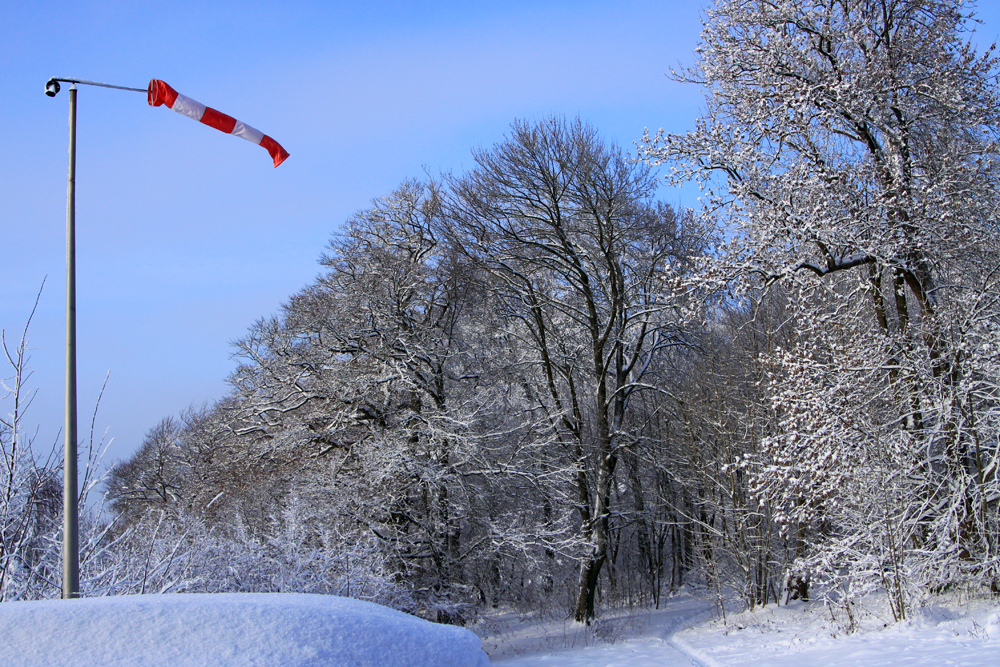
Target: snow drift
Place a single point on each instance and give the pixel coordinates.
(227, 629)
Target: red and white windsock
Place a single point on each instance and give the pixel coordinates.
(160, 93)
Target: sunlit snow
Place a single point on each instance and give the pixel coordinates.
(290, 630)
(800, 635)
(237, 629)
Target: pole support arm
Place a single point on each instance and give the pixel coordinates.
(52, 85)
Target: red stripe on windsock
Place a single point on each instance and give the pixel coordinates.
(159, 93)
(218, 120)
(278, 154)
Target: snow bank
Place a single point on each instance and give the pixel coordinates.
(808, 634)
(227, 629)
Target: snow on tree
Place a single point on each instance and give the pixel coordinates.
(852, 146)
(576, 253)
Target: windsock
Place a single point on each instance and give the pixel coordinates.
(160, 93)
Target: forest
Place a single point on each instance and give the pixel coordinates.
(536, 385)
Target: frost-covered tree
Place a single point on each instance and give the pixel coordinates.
(153, 476)
(377, 407)
(31, 492)
(576, 253)
(454, 394)
(852, 147)
(368, 374)
(30, 489)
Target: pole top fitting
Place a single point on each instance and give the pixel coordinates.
(52, 85)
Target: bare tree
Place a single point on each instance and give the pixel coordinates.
(30, 488)
(576, 251)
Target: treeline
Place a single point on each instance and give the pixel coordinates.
(535, 385)
(470, 387)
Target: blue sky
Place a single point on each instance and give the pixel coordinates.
(186, 236)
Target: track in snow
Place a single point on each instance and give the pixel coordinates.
(640, 640)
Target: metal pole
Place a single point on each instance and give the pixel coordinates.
(71, 540)
(71, 523)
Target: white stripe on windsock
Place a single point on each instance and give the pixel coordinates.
(252, 135)
(185, 106)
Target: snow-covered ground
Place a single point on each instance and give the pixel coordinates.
(290, 630)
(800, 635)
(230, 629)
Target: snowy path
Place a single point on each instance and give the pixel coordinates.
(801, 635)
(649, 643)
